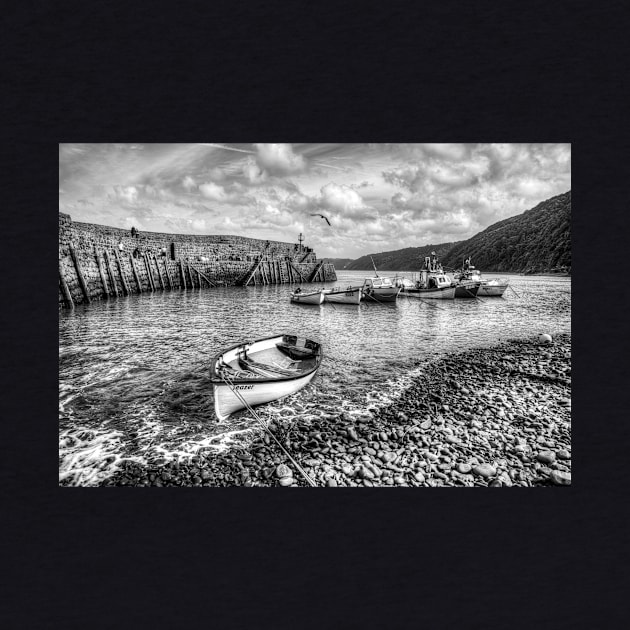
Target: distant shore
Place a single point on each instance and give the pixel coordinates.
(498, 416)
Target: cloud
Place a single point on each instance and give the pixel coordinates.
(213, 191)
(279, 159)
(189, 183)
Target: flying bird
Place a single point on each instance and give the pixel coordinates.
(322, 216)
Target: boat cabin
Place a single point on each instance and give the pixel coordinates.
(377, 283)
(430, 280)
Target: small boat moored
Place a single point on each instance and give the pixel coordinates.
(349, 295)
(312, 297)
(433, 283)
(254, 373)
(487, 288)
(379, 289)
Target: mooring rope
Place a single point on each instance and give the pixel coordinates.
(367, 295)
(266, 428)
(424, 300)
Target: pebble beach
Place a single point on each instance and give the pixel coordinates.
(497, 416)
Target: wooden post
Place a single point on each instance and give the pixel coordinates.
(181, 271)
(299, 272)
(122, 274)
(202, 275)
(136, 277)
(279, 272)
(64, 287)
(159, 272)
(149, 272)
(111, 272)
(101, 272)
(168, 275)
(198, 276)
(77, 266)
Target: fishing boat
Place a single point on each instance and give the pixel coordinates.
(487, 288)
(432, 284)
(312, 297)
(493, 288)
(338, 295)
(379, 289)
(257, 372)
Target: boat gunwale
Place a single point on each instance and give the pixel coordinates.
(215, 379)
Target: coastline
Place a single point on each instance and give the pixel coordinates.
(497, 416)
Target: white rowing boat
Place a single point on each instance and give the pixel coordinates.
(350, 295)
(313, 297)
(254, 373)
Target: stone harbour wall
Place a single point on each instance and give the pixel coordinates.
(98, 261)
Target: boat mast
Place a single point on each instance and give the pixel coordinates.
(373, 265)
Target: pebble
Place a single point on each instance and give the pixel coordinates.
(283, 471)
(546, 457)
(331, 483)
(484, 470)
(560, 478)
(419, 477)
(464, 469)
(563, 454)
(286, 481)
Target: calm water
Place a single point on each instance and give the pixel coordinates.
(133, 372)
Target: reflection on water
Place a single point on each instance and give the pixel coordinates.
(133, 372)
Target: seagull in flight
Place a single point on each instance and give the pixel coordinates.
(322, 216)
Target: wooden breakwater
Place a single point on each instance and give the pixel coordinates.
(99, 262)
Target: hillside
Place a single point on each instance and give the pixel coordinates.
(406, 259)
(340, 263)
(536, 241)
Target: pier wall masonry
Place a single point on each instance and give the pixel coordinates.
(98, 261)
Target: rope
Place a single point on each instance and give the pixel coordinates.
(515, 293)
(471, 293)
(367, 295)
(266, 428)
(428, 301)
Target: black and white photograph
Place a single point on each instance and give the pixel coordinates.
(353, 315)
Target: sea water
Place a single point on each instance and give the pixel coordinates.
(134, 371)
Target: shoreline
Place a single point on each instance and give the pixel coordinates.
(497, 416)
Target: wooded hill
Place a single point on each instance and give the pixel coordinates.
(536, 241)
(407, 259)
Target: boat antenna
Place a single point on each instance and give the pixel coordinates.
(373, 265)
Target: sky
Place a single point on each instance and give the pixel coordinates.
(377, 197)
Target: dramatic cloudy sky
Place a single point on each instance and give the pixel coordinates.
(378, 197)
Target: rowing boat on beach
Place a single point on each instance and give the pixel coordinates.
(254, 373)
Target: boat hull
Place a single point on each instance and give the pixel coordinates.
(444, 293)
(308, 298)
(492, 290)
(381, 294)
(226, 402)
(467, 289)
(351, 296)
